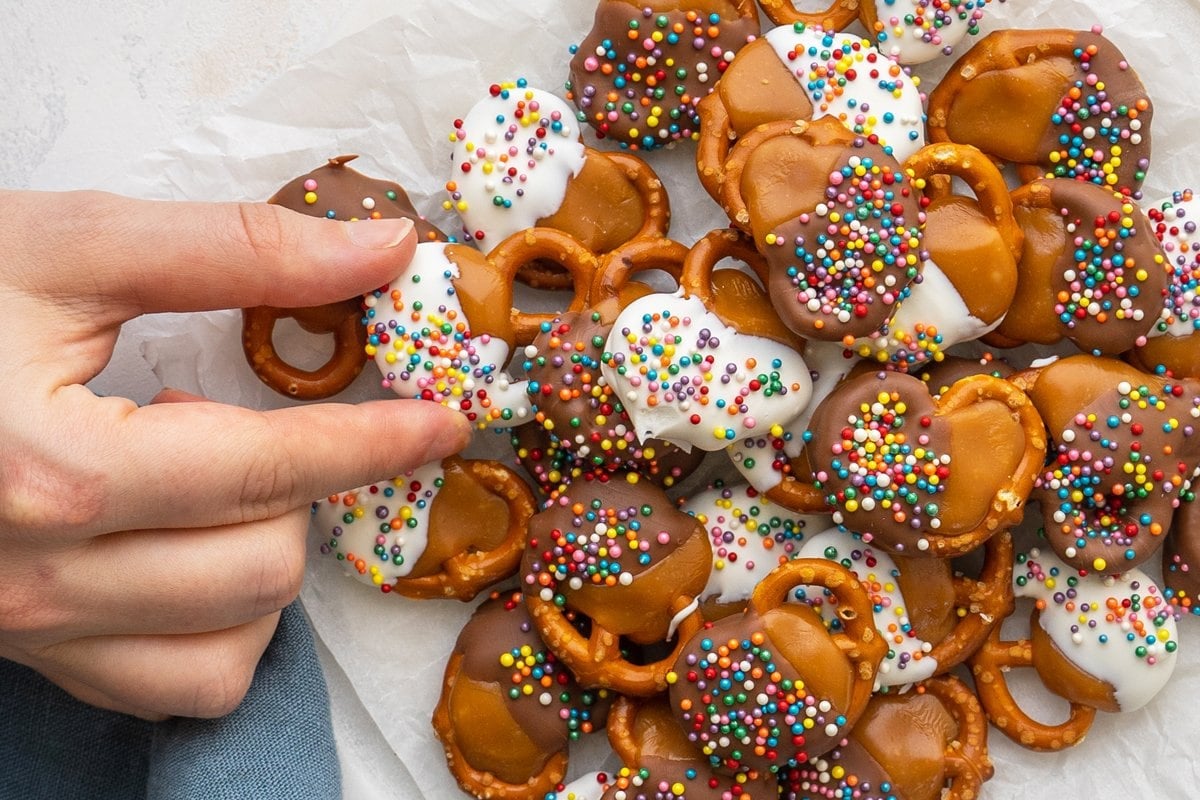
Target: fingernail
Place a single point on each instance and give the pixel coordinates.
(455, 433)
(378, 234)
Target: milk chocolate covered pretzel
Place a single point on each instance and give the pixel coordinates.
(518, 163)
(1101, 642)
(837, 219)
(927, 744)
(448, 529)
(1124, 454)
(659, 762)
(509, 709)
(609, 567)
(444, 329)
(772, 684)
(969, 277)
(908, 471)
(332, 191)
(580, 415)
(801, 72)
(1057, 103)
(1091, 270)
(637, 76)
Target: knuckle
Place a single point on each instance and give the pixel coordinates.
(28, 615)
(280, 577)
(260, 228)
(39, 497)
(268, 484)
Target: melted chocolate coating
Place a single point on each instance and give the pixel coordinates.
(641, 90)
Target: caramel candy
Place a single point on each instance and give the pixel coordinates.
(909, 472)
(332, 191)
(1060, 103)
(508, 709)
(1125, 454)
(618, 560)
(447, 529)
(739, 685)
(1091, 271)
(926, 744)
(638, 75)
(518, 163)
(837, 220)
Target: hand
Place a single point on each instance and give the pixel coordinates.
(145, 552)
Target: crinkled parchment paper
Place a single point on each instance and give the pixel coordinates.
(390, 92)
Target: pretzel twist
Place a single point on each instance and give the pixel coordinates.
(342, 319)
(464, 575)
(967, 762)
(481, 783)
(858, 639)
(597, 661)
(984, 602)
(989, 665)
(980, 174)
(548, 245)
(836, 16)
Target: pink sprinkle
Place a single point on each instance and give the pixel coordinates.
(310, 185)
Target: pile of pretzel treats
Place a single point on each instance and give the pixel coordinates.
(769, 494)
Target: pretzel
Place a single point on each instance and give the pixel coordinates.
(876, 430)
(508, 710)
(582, 426)
(637, 75)
(1124, 457)
(989, 666)
(931, 618)
(332, 191)
(798, 72)
(769, 685)
(1091, 272)
(793, 187)
(518, 163)
(1170, 344)
(447, 529)
(890, 752)
(1018, 94)
(969, 277)
(750, 536)
(708, 364)
(655, 752)
(837, 15)
(1103, 643)
(611, 567)
(443, 329)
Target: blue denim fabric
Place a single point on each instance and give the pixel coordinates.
(278, 744)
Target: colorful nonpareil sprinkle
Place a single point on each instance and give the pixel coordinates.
(857, 248)
(887, 458)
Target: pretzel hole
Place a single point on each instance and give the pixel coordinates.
(300, 348)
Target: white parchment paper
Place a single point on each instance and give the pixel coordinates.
(390, 92)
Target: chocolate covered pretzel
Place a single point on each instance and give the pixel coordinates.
(1124, 455)
(448, 529)
(518, 162)
(638, 74)
(908, 471)
(1172, 344)
(332, 191)
(1057, 103)
(508, 709)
